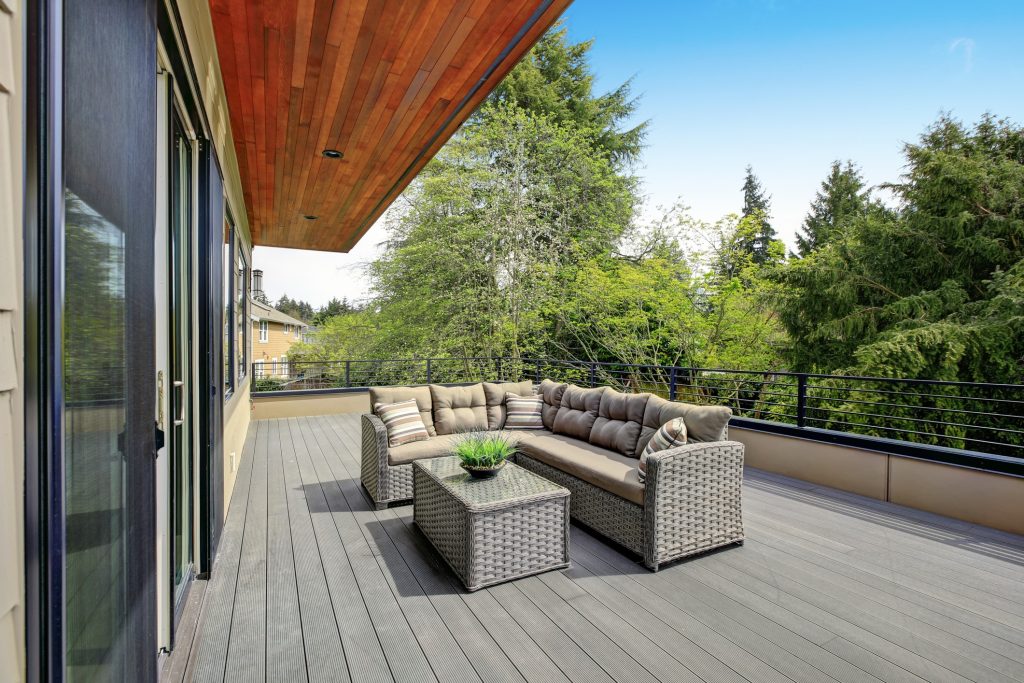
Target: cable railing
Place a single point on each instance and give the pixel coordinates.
(981, 418)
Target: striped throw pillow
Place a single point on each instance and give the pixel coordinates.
(402, 421)
(524, 412)
(670, 435)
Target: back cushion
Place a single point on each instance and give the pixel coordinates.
(551, 392)
(578, 412)
(703, 423)
(398, 394)
(494, 393)
(619, 421)
(459, 409)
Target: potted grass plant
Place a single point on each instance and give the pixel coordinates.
(483, 455)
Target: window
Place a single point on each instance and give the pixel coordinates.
(296, 330)
(287, 329)
(284, 366)
(241, 311)
(257, 369)
(264, 331)
(228, 298)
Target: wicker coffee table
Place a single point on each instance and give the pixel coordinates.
(491, 530)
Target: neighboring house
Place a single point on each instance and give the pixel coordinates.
(273, 335)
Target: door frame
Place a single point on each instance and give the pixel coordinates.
(44, 293)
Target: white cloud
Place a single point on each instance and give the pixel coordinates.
(965, 45)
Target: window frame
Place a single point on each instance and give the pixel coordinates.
(242, 325)
(264, 329)
(227, 370)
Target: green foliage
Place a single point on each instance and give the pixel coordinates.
(483, 450)
(555, 81)
(760, 241)
(842, 198)
(295, 308)
(932, 288)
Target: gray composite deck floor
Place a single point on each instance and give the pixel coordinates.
(312, 584)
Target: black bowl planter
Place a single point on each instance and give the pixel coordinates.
(483, 472)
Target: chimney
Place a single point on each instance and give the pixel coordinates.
(257, 284)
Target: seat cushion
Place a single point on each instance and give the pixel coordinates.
(459, 409)
(438, 446)
(402, 421)
(494, 393)
(601, 467)
(397, 394)
(551, 392)
(619, 420)
(434, 447)
(578, 411)
(703, 423)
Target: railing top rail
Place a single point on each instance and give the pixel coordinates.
(677, 368)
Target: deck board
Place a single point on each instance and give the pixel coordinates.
(312, 583)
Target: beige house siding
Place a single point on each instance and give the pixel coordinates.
(12, 441)
(198, 29)
(278, 342)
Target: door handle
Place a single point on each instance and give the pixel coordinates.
(179, 405)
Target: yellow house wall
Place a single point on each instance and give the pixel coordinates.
(12, 439)
(278, 343)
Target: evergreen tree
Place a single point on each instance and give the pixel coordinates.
(332, 308)
(934, 288)
(757, 206)
(555, 80)
(841, 198)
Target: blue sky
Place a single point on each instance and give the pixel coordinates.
(784, 85)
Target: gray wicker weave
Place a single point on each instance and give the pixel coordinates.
(691, 498)
(692, 502)
(491, 530)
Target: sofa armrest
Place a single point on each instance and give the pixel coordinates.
(373, 469)
(694, 495)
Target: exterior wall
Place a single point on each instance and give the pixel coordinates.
(278, 343)
(849, 469)
(198, 28)
(237, 414)
(268, 407)
(12, 441)
(992, 500)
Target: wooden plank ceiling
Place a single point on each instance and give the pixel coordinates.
(385, 82)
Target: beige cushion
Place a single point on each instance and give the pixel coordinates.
(578, 412)
(434, 447)
(551, 392)
(396, 394)
(494, 393)
(669, 435)
(619, 420)
(402, 421)
(524, 412)
(459, 409)
(601, 467)
(703, 423)
(437, 446)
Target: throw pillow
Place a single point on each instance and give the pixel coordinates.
(669, 435)
(524, 412)
(403, 422)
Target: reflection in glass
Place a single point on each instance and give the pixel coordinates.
(94, 421)
(241, 309)
(228, 320)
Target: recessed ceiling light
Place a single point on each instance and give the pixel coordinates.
(332, 154)
(310, 217)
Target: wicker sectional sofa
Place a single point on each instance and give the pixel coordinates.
(688, 502)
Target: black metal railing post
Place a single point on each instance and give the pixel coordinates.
(801, 400)
(497, 362)
(536, 373)
(348, 374)
(593, 374)
(430, 371)
(672, 383)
